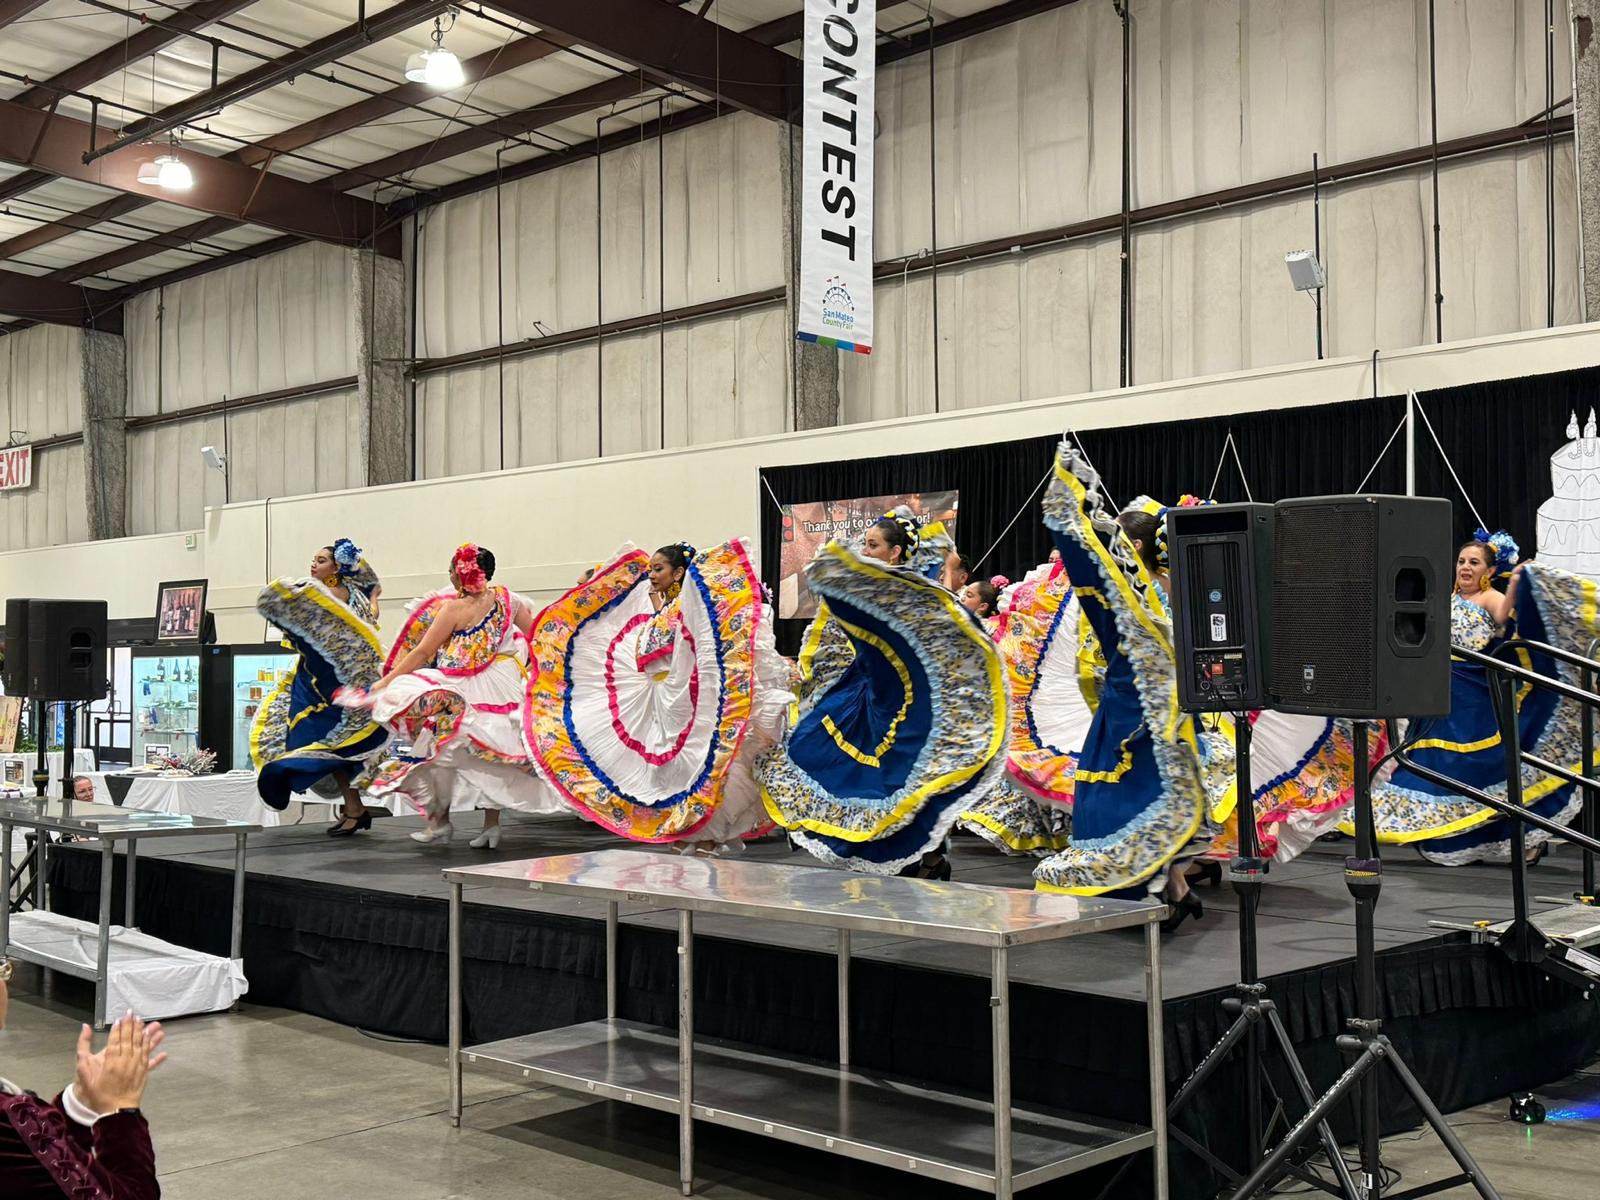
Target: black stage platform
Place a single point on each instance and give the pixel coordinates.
(353, 930)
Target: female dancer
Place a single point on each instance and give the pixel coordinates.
(1029, 812)
(657, 684)
(1138, 793)
(452, 690)
(1548, 606)
(299, 740)
(981, 598)
(903, 722)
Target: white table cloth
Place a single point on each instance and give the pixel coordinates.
(231, 795)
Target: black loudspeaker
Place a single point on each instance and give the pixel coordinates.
(1360, 611)
(15, 673)
(1221, 562)
(56, 649)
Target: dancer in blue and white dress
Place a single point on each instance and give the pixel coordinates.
(1540, 604)
(300, 740)
(902, 722)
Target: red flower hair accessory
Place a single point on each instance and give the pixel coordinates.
(468, 573)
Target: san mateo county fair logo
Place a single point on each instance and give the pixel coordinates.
(838, 309)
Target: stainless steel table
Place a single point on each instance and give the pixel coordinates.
(993, 1147)
(108, 825)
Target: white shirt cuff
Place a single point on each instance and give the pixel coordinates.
(76, 1108)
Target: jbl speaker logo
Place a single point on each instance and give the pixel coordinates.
(1308, 679)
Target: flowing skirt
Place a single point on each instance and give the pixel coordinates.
(1553, 607)
(460, 732)
(301, 740)
(904, 736)
(1139, 797)
(659, 749)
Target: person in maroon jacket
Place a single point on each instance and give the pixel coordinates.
(91, 1142)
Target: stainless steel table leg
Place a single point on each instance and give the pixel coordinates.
(236, 941)
(130, 860)
(686, 1052)
(102, 973)
(1158, 1056)
(41, 871)
(455, 1004)
(844, 997)
(1000, 1018)
(611, 960)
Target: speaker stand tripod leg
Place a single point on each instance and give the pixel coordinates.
(1302, 1083)
(1431, 1114)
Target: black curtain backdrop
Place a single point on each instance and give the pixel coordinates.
(1498, 436)
(1320, 450)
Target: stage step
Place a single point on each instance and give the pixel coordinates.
(1576, 925)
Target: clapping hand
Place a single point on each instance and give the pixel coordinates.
(114, 1078)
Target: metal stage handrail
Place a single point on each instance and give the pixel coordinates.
(1505, 808)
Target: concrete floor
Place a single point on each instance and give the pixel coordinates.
(263, 1104)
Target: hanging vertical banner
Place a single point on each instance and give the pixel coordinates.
(835, 300)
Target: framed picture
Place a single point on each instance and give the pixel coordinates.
(14, 770)
(180, 610)
(155, 752)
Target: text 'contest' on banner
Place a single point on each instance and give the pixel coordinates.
(835, 301)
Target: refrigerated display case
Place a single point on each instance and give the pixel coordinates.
(256, 671)
(165, 702)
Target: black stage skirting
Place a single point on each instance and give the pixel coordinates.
(1472, 1025)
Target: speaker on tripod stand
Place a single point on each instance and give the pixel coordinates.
(1222, 562)
(1360, 617)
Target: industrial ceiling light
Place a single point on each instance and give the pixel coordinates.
(437, 68)
(167, 170)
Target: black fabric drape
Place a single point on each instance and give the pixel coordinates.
(1323, 449)
(1499, 436)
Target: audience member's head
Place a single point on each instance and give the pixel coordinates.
(83, 789)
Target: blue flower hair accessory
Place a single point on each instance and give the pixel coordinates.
(346, 554)
(1504, 546)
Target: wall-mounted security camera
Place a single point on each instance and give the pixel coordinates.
(214, 460)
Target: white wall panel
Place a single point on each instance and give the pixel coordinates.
(290, 449)
(723, 223)
(261, 326)
(1211, 293)
(41, 382)
(725, 378)
(1225, 92)
(41, 396)
(52, 511)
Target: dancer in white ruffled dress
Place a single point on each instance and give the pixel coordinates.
(453, 691)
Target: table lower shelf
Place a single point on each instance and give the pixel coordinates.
(145, 975)
(844, 1111)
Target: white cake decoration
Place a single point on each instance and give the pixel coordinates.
(1569, 522)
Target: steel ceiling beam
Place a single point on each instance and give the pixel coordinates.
(56, 144)
(407, 96)
(95, 68)
(514, 125)
(141, 45)
(15, 10)
(336, 45)
(37, 299)
(674, 43)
